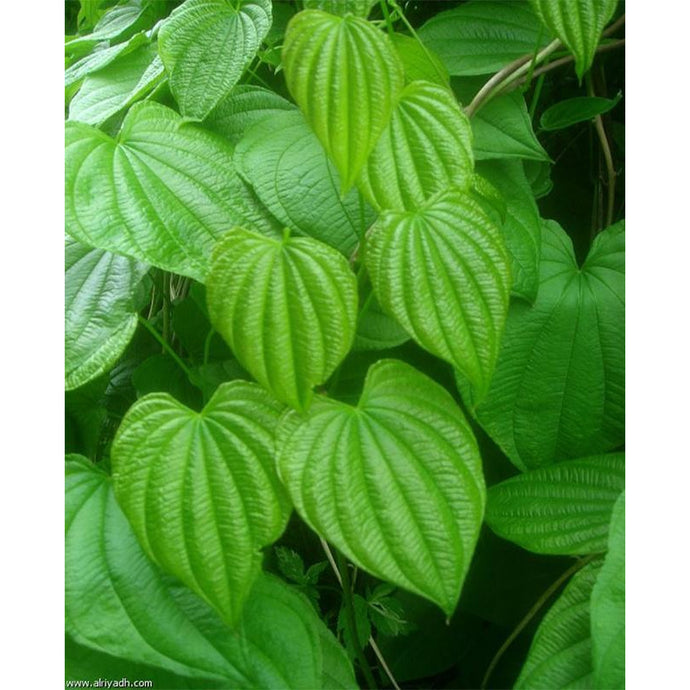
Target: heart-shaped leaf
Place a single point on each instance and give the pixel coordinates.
(205, 46)
(608, 608)
(561, 509)
(578, 23)
(482, 36)
(200, 489)
(287, 309)
(442, 272)
(395, 483)
(152, 619)
(558, 390)
(100, 310)
(288, 169)
(163, 192)
(426, 148)
(346, 77)
(419, 63)
(561, 652)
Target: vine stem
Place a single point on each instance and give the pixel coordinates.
(581, 563)
(164, 344)
(372, 642)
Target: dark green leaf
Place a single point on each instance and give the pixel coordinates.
(200, 489)
(100, 310)
(394, 483)
(360, 8)
(561, 509)
(482, 36)
(286, 309)
(205, 46)
(362, 625)
(348, 101)
(376, 330)
(442, 271)
(558, 390)
(574, 110)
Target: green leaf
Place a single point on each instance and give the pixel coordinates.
(244, 106)
(160, 373)
(153, 620)
(563, 509)
(101, 58)
(578, 23)
(362, 625)
(442, 272)
(290, 172)
(206, 45)
(561, 652)
(395, 483)
(124, 81)
(349, 99)
(287, 309)
(200, 489)
(538, 175)
(291, 564)
(100, 310)
(163, 192)
(361, 8)
(608, 608)
(418, 63)
(376, 330)
(426, 148)
(573, 110)
(481, 37)
(522, 226)
(558, 390)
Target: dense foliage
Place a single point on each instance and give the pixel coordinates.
(344, 343)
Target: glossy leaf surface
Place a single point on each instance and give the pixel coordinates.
(562, 509)
(199, 489)
(561, 652)
(205, 46)
(100, 310)
(558, 390)
(573, 110)
(290, 172)
(395, 483)
(482, 36)
(163, 192)
(287, 309)
(426, 148)
(153, 620)
(442, 272)
(608, 608)
(578, 23)
(345, 76)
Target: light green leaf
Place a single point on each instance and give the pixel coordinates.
(100, 310)
(286, 309)
(426, 148)
(124, 81)
(608, 608)
(563, 509)
(152, 619)
(101, 57)
(561, 651)
(573, 110)
(349, 97)
(394, 483)
(418, 63)
(376, 330)
(558, 390)
(245, 105)
(200, 489)
(290, 172)
(522, 226)
(163, 192)
(483, 36)
(578, 23)
(361, 8)
(205, 46)
(442, 272)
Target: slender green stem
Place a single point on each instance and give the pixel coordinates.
(581, 563)
(411, 29)
(164, 344)
(351, 621)
(166, 307)
(387, 16)
(535, 96)
(207, 345)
